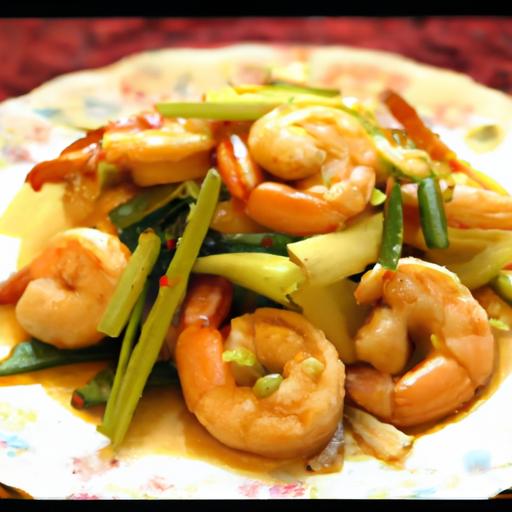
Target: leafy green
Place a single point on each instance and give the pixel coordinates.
(35, 355)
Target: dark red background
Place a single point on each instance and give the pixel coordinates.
(35, 50)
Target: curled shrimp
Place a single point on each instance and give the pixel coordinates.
(298, 419)
(449, 328)
(61, 295)
(471, 207)
(326, 155)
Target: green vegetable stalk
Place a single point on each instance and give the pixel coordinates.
(393, 232)
(130, 285)
(432, 214)
(222, 111)
(124, 356)
(169, 297)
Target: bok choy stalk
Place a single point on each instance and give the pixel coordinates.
(170, 295)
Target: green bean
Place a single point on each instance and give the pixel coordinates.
(432, 214)
(393, 231)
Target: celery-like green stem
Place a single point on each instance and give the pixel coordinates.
(124, 357)
(223, 111)
(130, 284)
(169, 297)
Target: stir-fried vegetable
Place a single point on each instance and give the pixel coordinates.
(329, 258)
(385, 440)
(475, 255)
(275, 277)
(99, 389)
(169, 297)
(124, 356)
(130, 285)
(267, 385)
(270, 243)
(432, 214)
(333, 309)
(33, 355)
(393, 230)
(502, 285)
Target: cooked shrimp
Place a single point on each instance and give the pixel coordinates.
(293, 143)
(471, 207)
(298, 419)
(329, 153)
(449, 328)
(62, 294)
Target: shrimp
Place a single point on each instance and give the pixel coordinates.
(62, 294)
(327, 155)
(298, 419)
(450, 330)
(470, 207)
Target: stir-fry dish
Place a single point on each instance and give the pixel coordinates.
(296, 261)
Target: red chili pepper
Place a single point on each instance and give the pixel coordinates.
(266, 241)
(164, 281)
(77, 401)
(171, 244)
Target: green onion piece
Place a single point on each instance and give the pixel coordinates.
(130, 284)
(304, 89)
(223, 111)
(378, 197)
(267, 385)
(169, 297)
(499, 324)
(243, 357)
(32, 355)
(312, 367)
(432, 214)
(393, 230)
(124, 357)
(502, 285)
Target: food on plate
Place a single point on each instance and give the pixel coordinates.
(283, 254)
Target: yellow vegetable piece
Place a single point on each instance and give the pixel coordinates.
(275, 277)
(329, 258)
(333, 309)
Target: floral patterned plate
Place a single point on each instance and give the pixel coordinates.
(52, 451)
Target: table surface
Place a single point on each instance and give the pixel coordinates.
(33, 51)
